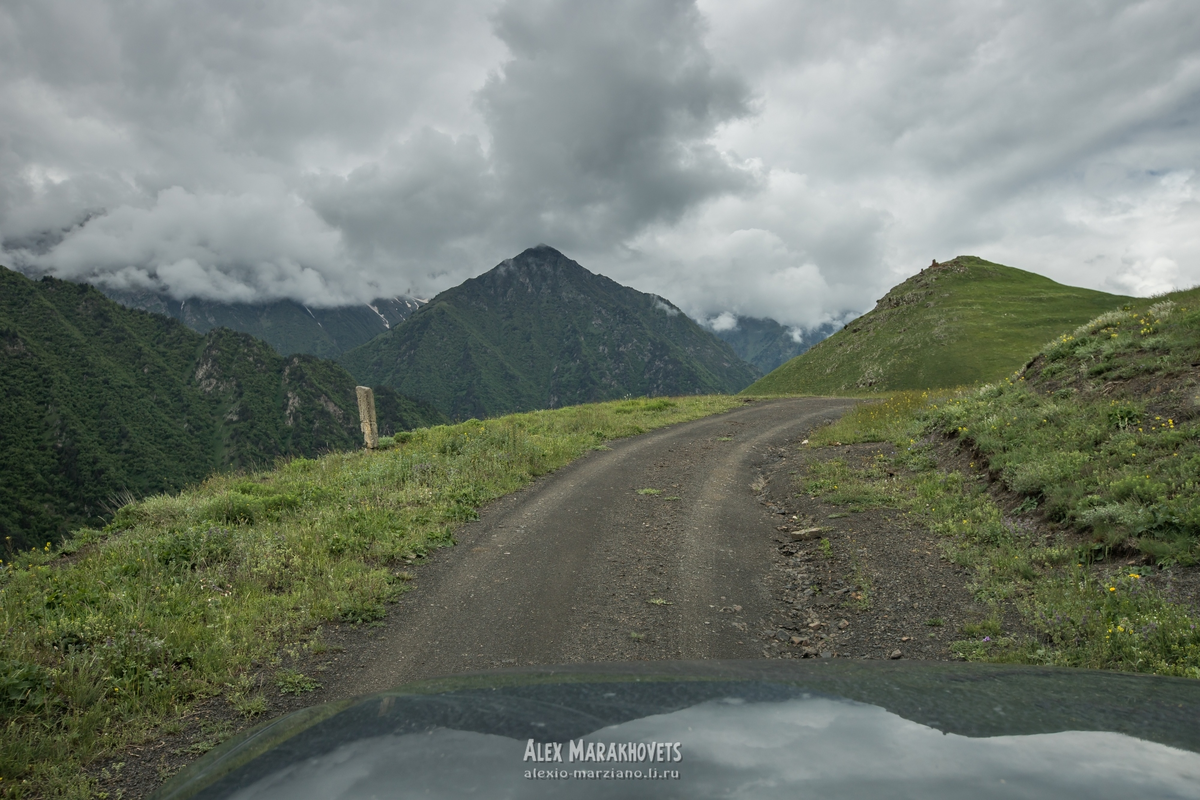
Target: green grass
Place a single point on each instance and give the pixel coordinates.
(1061, 596)
(1100, 431)
(965, 322)
(289, 681)
(889, 419)
(194, 595)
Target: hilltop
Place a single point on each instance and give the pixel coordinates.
(954, 324)
(540, 331)
(103, 402)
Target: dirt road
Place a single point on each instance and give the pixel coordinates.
(671, 545)
(655, 549)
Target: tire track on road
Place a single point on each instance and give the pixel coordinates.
(564, 570)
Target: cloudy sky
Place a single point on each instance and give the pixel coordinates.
(775, 158)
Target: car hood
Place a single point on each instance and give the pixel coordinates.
(755, 729)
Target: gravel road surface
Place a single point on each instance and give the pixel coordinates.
(586, 565)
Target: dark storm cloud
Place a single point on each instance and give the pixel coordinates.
(784, 158)
(431, 193)
(160, 126)
(601, 121)
(598, 124)
(151, 129)
(1063, 138)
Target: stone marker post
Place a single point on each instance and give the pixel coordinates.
(366, 415)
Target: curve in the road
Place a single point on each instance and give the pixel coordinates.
(580, 567)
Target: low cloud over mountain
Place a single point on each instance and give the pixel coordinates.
(788, 160)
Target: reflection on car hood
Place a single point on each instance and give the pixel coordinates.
(720, 729)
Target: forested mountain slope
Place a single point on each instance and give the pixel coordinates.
(102, 402)
(286, 325)
(540, 331)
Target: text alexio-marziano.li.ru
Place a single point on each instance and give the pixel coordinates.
(579, 750)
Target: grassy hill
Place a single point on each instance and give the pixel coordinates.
(540, 331)
(1102, 428)
(956, 324)
(101, 401)
(1099, 435)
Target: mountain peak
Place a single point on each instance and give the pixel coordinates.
(538, 256)
(540, 331)
(538, 269)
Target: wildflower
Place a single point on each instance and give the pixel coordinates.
(987, 638)
(1112, 588)
(1134, 575)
